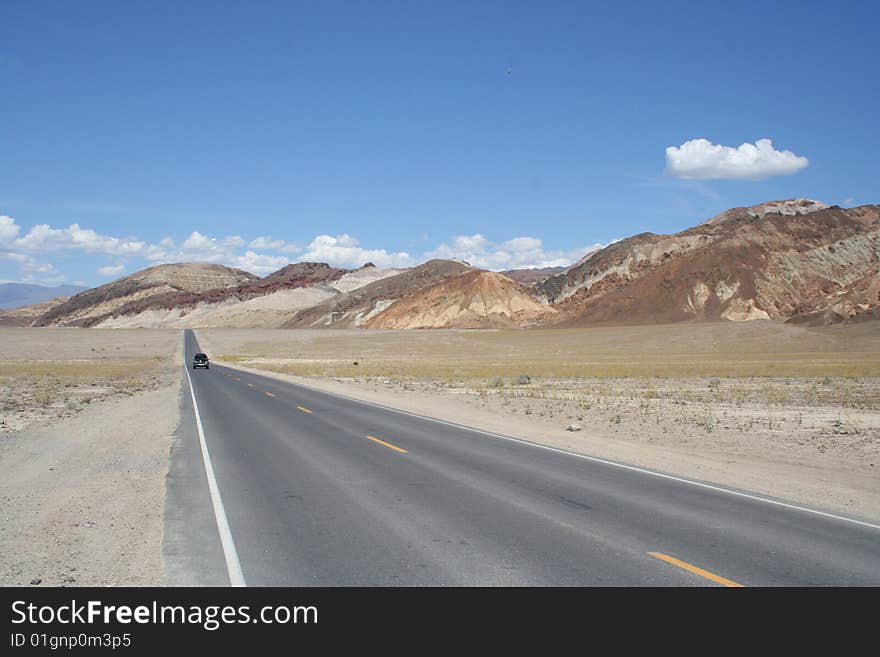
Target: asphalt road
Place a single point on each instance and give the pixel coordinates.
(316, 489)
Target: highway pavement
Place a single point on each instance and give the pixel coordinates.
(277, 484)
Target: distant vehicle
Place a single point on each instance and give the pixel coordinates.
(201, 360)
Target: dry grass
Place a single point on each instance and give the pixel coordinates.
(732, 388)
(727, 350)
(47, 374)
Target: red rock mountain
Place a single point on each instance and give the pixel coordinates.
(147, 287)
(470, 299)
(819, 266)
(530, 277)
(357, 306)
(795, 260)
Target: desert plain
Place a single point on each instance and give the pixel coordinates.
(87, 416)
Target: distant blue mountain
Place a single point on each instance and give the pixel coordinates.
(15, 295)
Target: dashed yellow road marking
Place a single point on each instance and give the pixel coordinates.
(388, 445)
(268, 394)
(304, 409)
(684, 565)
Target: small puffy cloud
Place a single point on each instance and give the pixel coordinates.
(261, 255)
(8, 229)
(111, 270)
(15, 257)
(701, 159)
(259, 263)
(32, 270)
(28, 263)
(55, 279)
(43, 268)
(266, 243)
(199, 248)
(345, 251)
(516, 253)
(43, 237)
(197, 241)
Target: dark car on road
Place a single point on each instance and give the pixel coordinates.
(201, 360)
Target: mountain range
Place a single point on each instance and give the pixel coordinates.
(795, 260)
(15, 295)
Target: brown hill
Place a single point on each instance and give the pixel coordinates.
(775, 267)
(530, 277)
(357, 306)
(300, 274)
(271, 301)
(860, 300)
(143, 287)
(470, 299)
(794, 260)
(788, 207)
(289, 277)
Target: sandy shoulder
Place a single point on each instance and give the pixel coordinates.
(83, 498)
(821, 483)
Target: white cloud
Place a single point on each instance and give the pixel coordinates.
(701, 159)
(263, 254)
(111, 270)
(259, 263)
(32, 270)
(29, 263)
(42, 268)
(345, 251)
(199, 248)
(15, 257)
(516, 253)
(8, 229)
(198, 241)
(43, 280)
(43, 237)
(267, 243)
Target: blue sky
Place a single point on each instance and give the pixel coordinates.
(513, 134)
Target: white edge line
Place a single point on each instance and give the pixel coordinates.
(595, 459)
(233, 566)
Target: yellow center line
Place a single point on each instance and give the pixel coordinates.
(388, 445)
(695, 570)
(268, 394)
(303, 409)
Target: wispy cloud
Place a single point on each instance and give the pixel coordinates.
(696, 186)
(111, 270)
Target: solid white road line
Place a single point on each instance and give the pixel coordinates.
(595, 459)
(233, 566)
